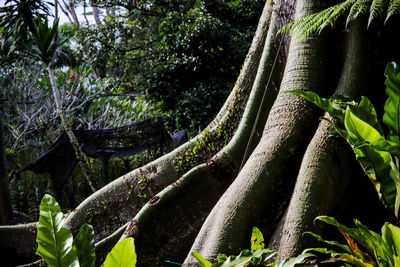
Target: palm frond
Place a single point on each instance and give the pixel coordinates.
(393, 9)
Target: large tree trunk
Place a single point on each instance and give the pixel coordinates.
(185, 200)
(287, 131)
(327, 162)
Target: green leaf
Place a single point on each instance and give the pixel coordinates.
(54, 241)
(293, 261)
(246, 256)
(366, 111)
(386, 145)
(84, 243)
(333, 243)
(392, 106)
(203, 262)
(257, 239)
(354, 261)
(358, 128)
(123, 254)
(391, 236)
(371, 241)
(376, 164)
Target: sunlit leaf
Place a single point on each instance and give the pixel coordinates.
(123, 254)
(54, 242)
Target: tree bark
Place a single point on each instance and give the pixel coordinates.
(120, 195)
(181, 223)
(286, 133)
(327, 163)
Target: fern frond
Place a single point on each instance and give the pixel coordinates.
(359, 7)
(378, 7)
(315, 23)
(339, 9)
(393, 9)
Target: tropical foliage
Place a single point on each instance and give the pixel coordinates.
(251, 257)
(359, 126)
(58, 248)
(374, 250)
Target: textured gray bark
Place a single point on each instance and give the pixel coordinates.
(185, 201)
(327, 164)
(287, 131)
(120, 194)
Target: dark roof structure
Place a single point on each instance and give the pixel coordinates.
(59, 159)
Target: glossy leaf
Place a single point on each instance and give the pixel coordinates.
(84, 243)
(246, 256)
(376, 164)
(257, 239)
(55, 243)
(293, 261)
(123, 254)
(392, 106)
(391, 236)
(358, 128)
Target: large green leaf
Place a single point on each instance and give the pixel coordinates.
(366, 111)
(84, 243)
(123, 254)
(358, 128)
(392, 106)
(391, 236)
(54, 242)
(362, 136)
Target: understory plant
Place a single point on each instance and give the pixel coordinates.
(376, 250)
(377, 153)
(58, 248)
(258, 255)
